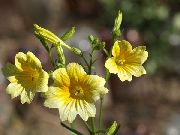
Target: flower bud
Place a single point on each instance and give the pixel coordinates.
(76, 51)
(46, 35)
(117, 24)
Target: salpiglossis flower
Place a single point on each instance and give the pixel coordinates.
(127, 61)
(74, 92)
(27, 77)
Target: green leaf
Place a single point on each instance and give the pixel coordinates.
(68, 34)
(113, 129)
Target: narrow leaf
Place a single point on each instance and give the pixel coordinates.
(68, 34)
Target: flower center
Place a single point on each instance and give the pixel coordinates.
(120, 61)
(77, 92)
(28, 77)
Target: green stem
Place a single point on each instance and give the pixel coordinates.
(90, 62)
(93, 126)
(72, 130)
(89, 72)
(100, 113)
(90, 66)
(85, 60)
(107, 76)
(105, 51)
(87, 126)
(51, 59)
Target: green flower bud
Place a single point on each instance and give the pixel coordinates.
(100, 46)
(46, 35)
(117, 24)
(76, 51)
(50, 37)
(91, 38)
(96, 41)
(96, 44)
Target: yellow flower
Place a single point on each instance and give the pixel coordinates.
(27, 77)
(74, 92)
(127, 61)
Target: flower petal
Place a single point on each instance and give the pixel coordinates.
(116, 49)
(85, 109)
(14, 89)
(42, 82)
(124, 48)
(61, 78)
(75, 71)
(137, 56)
(56, 97)
(96, 87)
(135, 70)
(124, 75)
(22, 60)
(27, 96)
(33, 61)
(111, 65)
(68, 111)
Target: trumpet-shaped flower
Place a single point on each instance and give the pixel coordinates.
(27, 77)
(74, 92)
(127, 61)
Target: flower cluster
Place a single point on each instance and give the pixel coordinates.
(75, 89)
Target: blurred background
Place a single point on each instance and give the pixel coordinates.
(149, 105)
